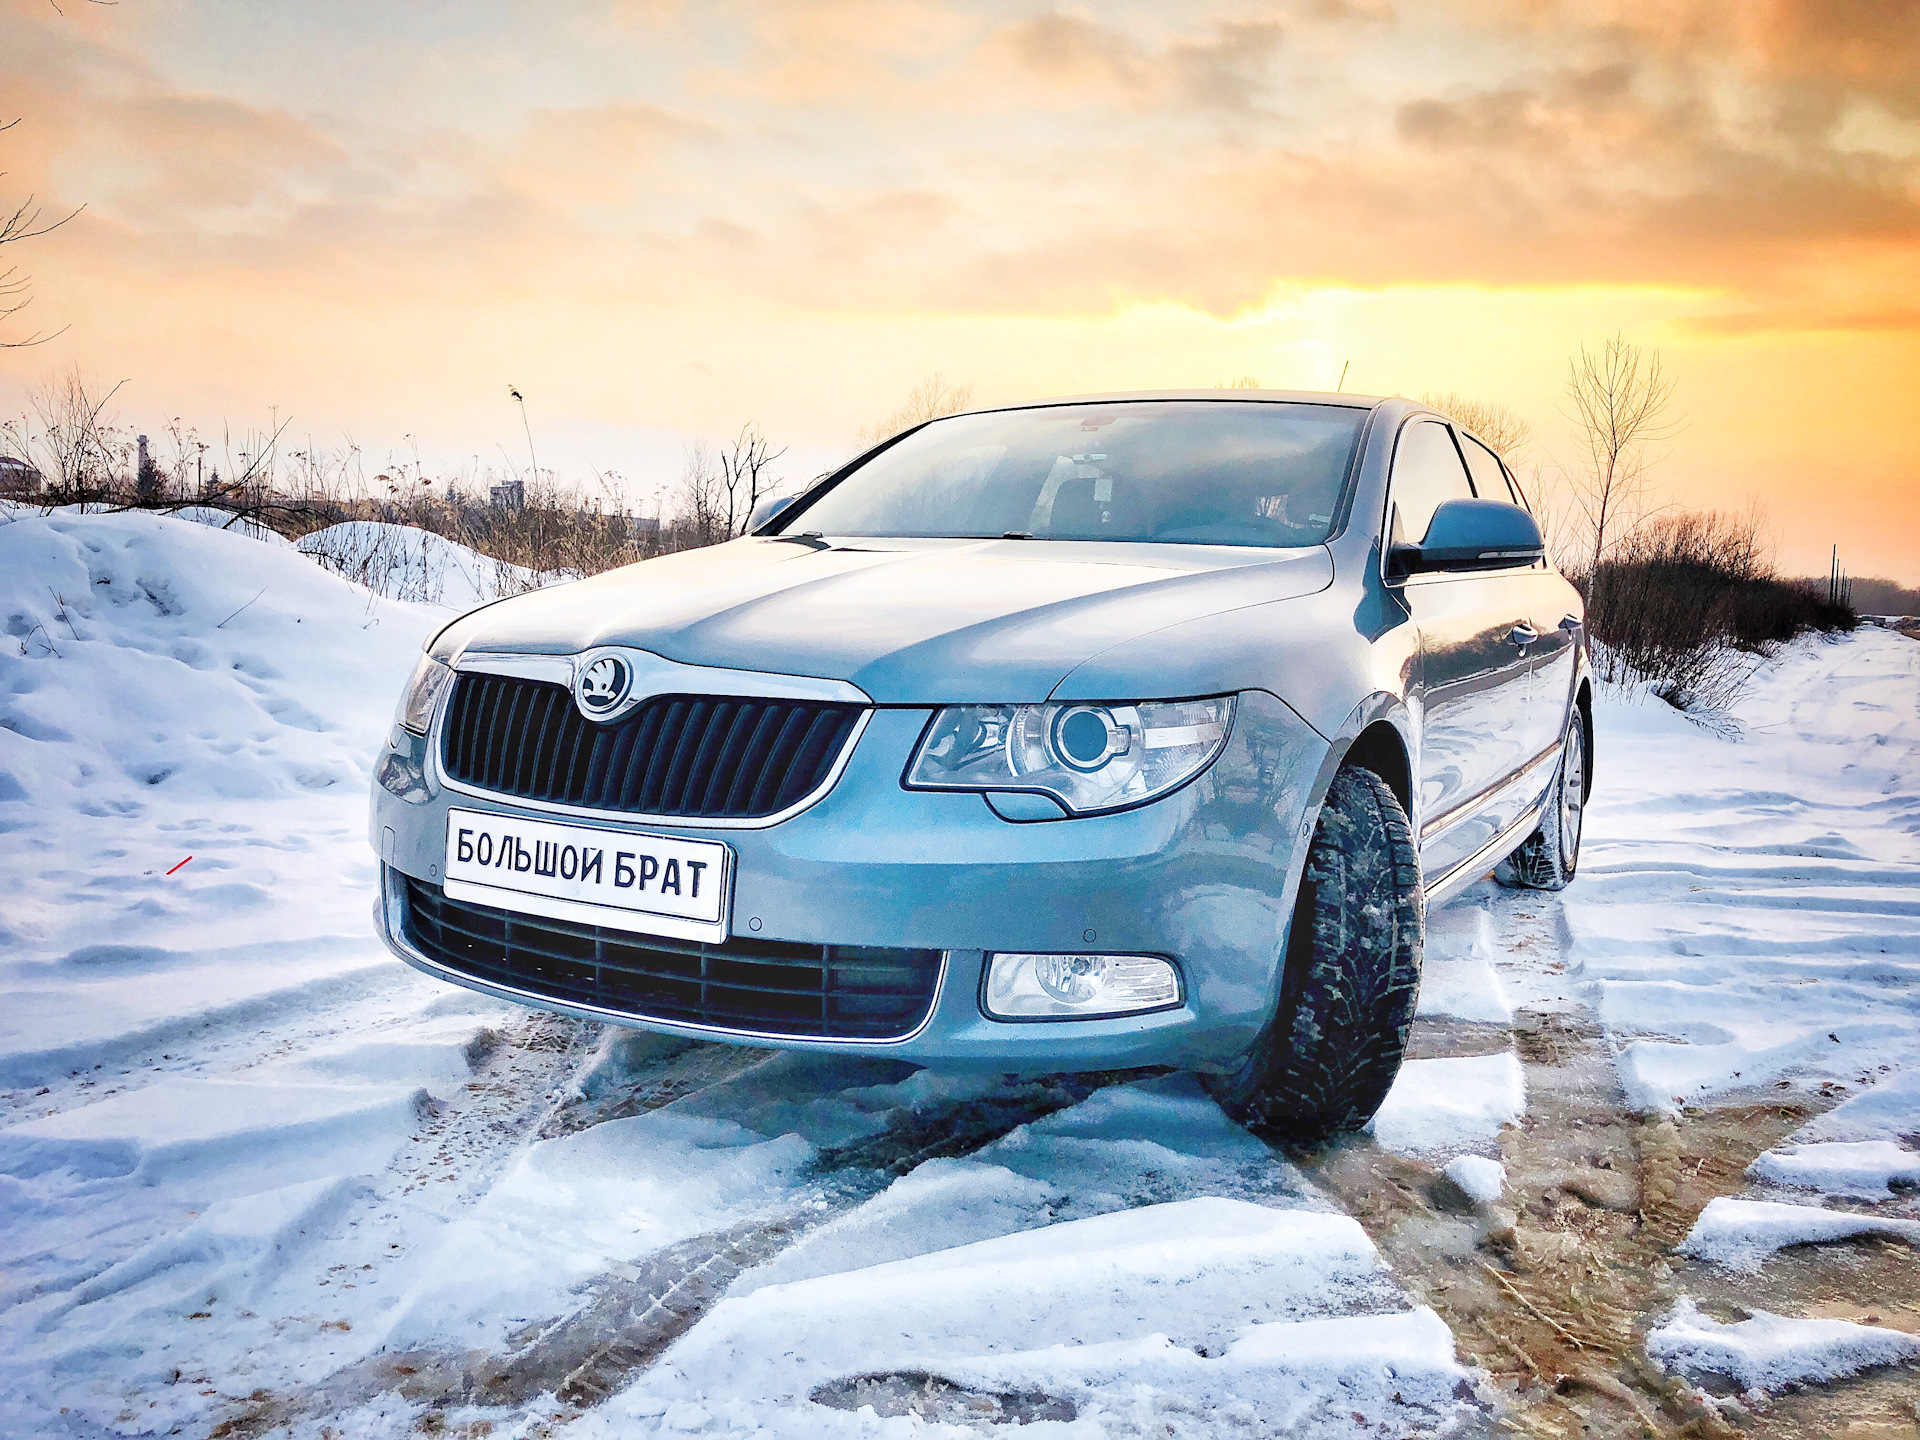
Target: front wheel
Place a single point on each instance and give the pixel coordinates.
(1352, 974)
(1552, 853)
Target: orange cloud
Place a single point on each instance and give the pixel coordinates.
(676, 211)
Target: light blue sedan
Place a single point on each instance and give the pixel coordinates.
(1124, 730)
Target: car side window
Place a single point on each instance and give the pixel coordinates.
(1426, 473)
(1490, 480)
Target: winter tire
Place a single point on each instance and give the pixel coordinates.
(1352, 974)
(1552, 853)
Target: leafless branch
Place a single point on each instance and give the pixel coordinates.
(744, 473)
(23, 224)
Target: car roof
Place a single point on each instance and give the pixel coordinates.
(1271, 397)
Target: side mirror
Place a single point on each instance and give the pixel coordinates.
(767, 511)
(1472, 535)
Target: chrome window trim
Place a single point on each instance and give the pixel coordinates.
(750, 684)
(393, 904)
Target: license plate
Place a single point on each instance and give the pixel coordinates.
(649, 884)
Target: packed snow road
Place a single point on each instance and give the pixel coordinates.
(257, 1178)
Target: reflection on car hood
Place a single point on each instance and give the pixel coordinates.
(908, 621)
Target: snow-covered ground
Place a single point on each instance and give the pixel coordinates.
(1750, 912)
(254, 1171)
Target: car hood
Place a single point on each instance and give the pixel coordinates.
(916, 622)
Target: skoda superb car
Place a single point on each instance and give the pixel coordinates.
(1125, 730)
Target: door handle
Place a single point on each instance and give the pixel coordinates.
(1523, 635)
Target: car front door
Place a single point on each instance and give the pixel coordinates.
(1548, 603)
(1473, 670)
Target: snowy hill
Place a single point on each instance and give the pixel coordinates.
(403, 562)
(171, 690)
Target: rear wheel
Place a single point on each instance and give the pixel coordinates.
(1352, 974)
(1552, 853)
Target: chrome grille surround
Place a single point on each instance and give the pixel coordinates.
(696, 745)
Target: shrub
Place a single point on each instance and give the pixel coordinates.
(1688, 602)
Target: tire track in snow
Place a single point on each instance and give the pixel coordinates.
(625, 1318)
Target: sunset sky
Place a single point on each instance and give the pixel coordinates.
(660, 220)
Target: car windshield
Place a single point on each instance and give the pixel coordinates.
(1177, 472)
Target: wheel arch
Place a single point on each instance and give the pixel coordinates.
(1377, 736)
(1381, 749)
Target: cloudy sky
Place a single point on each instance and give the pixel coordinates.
(661, 220)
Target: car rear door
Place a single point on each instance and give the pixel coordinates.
(1472, 674)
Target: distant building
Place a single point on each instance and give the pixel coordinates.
(146, 477)
(510, 496)
(17, 477)
(644, 524)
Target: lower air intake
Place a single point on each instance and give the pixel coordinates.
(763, 987)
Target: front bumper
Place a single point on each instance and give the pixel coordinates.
(1206, 875)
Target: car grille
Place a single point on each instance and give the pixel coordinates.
(769, 987)
(690, 756)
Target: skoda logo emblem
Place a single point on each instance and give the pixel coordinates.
(600, 689)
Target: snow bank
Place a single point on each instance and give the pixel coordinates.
(1748, 909)
(1862, 1169)
(1449, 1105)
(1771, 1352)
(225, 520)
(404, 562)
(1484, 1180)
(152, 657)
(1860, 1149)
(1152, 1140)
(570, 1209)
(1741, 1234)
(185, 1127)
(172, 690)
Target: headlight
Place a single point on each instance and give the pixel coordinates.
(1089, 757)
(430, 677)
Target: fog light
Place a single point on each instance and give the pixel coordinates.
(1078, 987)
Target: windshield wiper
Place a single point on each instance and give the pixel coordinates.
(810, 538)
(1016, 535)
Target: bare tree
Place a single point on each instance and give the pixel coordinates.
(702, 506)
(16, 288)
(1502, 431)
(744, 477)
(932, 398)
(1621, 401)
